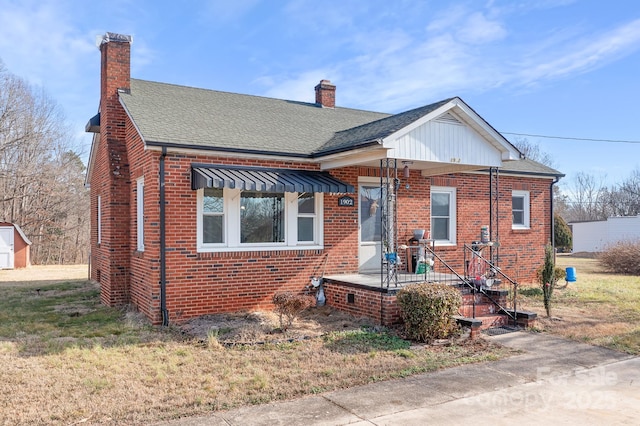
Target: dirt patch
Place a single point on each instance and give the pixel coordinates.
(264, 327)
(38, 275)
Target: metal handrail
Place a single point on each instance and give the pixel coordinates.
(490, 271)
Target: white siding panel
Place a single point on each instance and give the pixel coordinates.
(445, 142)
(596, 236)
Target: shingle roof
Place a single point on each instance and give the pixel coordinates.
(529, 167)
(179, 115)
(167, 114)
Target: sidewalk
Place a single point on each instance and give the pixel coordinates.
(553, 380)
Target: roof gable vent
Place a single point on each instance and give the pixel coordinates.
(448, 118)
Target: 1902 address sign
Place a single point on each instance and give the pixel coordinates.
(346, 201)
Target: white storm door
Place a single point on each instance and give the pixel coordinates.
(6, 247)
(369, 202)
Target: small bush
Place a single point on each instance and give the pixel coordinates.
(622, 257)
(548, 275)
(289, 306)
(428, 309)
(559, 274)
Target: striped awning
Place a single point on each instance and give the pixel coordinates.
(265, 180)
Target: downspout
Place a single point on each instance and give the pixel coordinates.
(553, 220)
(163, 245)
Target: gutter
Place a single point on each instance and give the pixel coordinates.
(163, 245)
(314, 156)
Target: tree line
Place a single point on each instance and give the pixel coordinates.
(41, 175)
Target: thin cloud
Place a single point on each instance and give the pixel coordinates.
(586, 54)
(478, 29)
(396, 70)
(227, 11)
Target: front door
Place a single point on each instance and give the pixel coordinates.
(370, 253)
(6, 247)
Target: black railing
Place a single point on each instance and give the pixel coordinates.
(421, 262)
(485, 277)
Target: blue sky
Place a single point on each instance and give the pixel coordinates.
(536, 67)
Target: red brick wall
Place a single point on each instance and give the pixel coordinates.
(200, 283)
(370, 303)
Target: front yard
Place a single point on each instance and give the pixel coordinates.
(66, 359)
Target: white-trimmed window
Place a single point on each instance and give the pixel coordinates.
(99, 218)
(520, 209)
(212, 216)
(231, 219)
(443, 214)
(140, 213)
(307, 218)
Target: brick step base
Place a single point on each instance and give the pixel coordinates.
(483, 322)
(480, 310)
(492, 321)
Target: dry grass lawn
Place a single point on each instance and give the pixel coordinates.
(68, 360)
(600, 308)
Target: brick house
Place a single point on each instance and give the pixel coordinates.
(206, 202)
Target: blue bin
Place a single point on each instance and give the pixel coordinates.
(571, 275)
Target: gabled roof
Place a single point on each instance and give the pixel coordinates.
(192, 118)
(376, 130)
(180, 116)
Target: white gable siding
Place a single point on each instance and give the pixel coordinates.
(446, 140)
(595, 236)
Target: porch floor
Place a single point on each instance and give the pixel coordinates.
(374, 280)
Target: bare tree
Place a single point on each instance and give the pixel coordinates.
(624, 199)
(40, 175)
(533, 152)
(588, 199)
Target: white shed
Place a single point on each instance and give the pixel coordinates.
(594, 236)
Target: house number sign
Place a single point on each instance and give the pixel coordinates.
(346, 202)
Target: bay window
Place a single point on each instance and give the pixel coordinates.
(236, 220)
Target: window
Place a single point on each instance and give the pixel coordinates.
(520, 209)
(443, 215)
(99, 219)
(213, 216)
(261, 217)
(140, 213)
(306, 217)
(244, 220)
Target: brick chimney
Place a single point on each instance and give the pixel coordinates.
(326, 94)
(111, 178)
(115, 69)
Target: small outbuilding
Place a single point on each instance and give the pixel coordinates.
(14, 247)
(597, 235)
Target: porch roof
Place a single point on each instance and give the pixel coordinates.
(265, 179)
